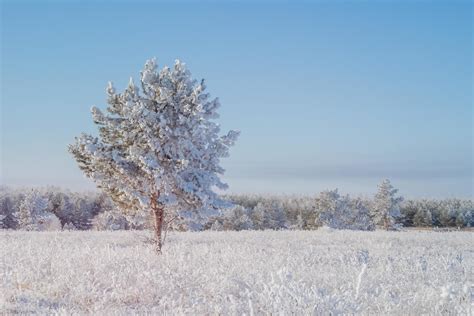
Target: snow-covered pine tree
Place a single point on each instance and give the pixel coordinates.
(342, 212)
(447, 216)
(461, 220)
(237, 218)
(269, 214)
(259, 216)
(278, 218)
(386, 205)
(61, 206)
(158, 149)
(299, 223)
(31, 205)
(329, 206)
(7, 209)
(360, 214)
(423, 217)
(32, 214)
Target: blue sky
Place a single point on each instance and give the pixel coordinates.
(326, 94)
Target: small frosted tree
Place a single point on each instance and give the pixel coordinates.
(237, 218)
(61, 206)
(329, 206)
(423, 217)
(299, 223)
(386, 205)
(80, 215)
(110, 220)
(341, 212)
(32, 214)
(7, 209)
(158, 147)
(360, 215)
(269, 214)
(30, 208)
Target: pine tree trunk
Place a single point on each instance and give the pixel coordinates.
(158, 212)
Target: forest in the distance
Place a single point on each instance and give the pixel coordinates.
(52, 208)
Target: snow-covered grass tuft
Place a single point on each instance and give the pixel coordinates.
(251, 272)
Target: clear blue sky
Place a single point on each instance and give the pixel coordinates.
(325, 94)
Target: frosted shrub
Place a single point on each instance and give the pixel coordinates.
(110, 220)
(269, 215)
(237, 218)
(69, 226)
(48, 222)
(360, 218)
(300, 223)
(341, 212)
(217, 226)
(139, 220)
(2, 224)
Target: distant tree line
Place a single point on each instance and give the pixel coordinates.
(54, 208)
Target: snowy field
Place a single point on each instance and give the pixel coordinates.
(307, 272)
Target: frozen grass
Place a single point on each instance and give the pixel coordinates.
(307, 272)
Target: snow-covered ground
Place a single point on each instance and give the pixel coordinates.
(307, 272)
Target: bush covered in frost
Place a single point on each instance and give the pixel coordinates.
(110, 220)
